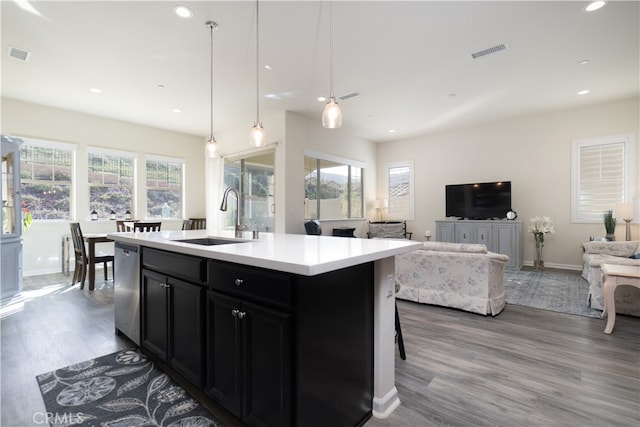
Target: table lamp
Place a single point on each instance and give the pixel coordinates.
(624, 210)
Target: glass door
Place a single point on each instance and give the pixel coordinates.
(254, 178)
(8, 195)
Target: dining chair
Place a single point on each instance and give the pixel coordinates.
(187, 224)
(121, 224)
(81, 258)
(146, 226)
(198, 223)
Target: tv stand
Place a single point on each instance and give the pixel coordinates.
(501, 236)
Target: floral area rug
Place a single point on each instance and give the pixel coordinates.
(561, 292)
(123, 389)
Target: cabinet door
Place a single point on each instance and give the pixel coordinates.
(483, 235)
(186, 349)
(11, 265)
(267, 374)
(445, 232)
(154, 313)
(464, 233)
(505, 241)
(224, 352)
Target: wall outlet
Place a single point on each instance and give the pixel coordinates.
(391, 285)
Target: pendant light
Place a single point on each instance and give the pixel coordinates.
(257, 136)
(211, 149)
(332, 115)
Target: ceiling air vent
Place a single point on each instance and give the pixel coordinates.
(349, 96)
(489, 51)
(21, 54)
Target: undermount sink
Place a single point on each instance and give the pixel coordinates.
(210, 241)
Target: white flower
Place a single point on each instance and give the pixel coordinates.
(541, 225)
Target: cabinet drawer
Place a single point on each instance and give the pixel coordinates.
(250, 283)
(185, 267)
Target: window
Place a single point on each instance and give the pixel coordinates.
(400, 190)
(253, 176)
(165, 178)
(111, 181)
(46, 177)
(333, 188)
(601, 171)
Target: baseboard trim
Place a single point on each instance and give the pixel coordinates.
(558, 266)
(384, 406)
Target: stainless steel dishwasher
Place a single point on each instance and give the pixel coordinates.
(127, 291)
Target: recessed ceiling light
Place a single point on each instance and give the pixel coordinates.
(95, 90)
(595, 5)
(583, 92)
(584, 62)
(269, 67)
(177, 110)
(183, 11)
(392, 131)
(160, 86)
(322, 99)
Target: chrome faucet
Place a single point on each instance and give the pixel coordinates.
(223, 207)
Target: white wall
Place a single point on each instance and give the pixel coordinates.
(294, 134)
(41, 253)
(303, 133)
(532, 152)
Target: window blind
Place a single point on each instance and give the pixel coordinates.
(601, 179)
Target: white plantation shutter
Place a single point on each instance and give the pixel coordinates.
(600, 176)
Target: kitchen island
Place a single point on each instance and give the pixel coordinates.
(280, 330)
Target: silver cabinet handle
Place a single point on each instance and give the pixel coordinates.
(164, 285)
(239, 282)
(239, 314)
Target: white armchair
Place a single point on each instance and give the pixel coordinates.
(619, 253)
(463, 276)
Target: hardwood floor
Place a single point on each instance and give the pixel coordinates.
(525, 367)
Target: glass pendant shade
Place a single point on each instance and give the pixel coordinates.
(211, 149)
(332, 115)
(257, 136)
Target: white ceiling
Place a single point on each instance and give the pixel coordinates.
(405, 58)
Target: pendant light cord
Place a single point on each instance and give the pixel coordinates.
(257, 62)
(331, 49)
(211, 25)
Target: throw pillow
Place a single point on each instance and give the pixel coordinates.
(635, 256)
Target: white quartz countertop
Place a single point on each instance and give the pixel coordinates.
(291, 253)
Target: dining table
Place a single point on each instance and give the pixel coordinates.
(92, 239)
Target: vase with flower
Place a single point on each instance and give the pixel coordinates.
(539, 227)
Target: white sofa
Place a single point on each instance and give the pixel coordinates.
(462, 276)
(598, 253)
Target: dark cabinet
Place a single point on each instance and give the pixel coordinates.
(173, 321)
(285, 349)
(249, 360)
(155, 313)
(273, 348)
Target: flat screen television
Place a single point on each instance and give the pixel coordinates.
(484, 200)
